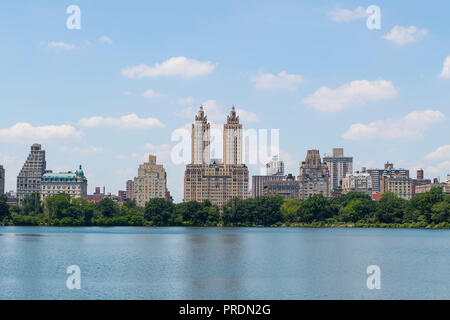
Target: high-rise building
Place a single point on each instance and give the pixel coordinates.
(71, 183)
(216, 180)
(201, 139)
(2, 180)
(338, 167)
(275, 166)
(151, 182)
(30, 177)
(258, 183)
(232, 139)
(400, 185)
(130, 190)
(357, 181)
(378, 174)
(314, 176)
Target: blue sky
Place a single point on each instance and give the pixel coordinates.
(309, 68)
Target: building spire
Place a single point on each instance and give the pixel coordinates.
(201, 114)
(232, 118)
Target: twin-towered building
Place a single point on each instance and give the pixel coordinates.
(214, 179)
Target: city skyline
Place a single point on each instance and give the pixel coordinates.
(108, 96)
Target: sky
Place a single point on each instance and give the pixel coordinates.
(107, 94)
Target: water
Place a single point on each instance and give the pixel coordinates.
(211, 263)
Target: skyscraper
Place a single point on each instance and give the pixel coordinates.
(201, 138)
(216, 180)
(151, 182)
(314, 176)
(2, 180)
(30, 177)
(232, 139)
(338, 167)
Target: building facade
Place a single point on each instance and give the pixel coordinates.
(314, 176)
(359, 182)
(151, 182)
(216, 180)
(287, 187)
(258, 183)
(378, 174)
(401, 186)
(73, 184)
(130, 190)
(30, 176)
(427, 187)
(2, 180)
(338, 167)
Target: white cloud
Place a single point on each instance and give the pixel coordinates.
(105, 39)
(282, 80)
(216, 114)
(247, 116)
(404, 35)
(150, 94)
(176, 66)
(130, 121)
(446, 69)
(162, 152)
(187, 100)
(355, 92)
(61, 45)
(432, 171)
(346, 15)
(25, 132)
(408, 127)
(88, 151)
(442, 152)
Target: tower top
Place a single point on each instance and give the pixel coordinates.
(200, 115)
(233, 118)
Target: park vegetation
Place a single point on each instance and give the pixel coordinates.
(427, 210)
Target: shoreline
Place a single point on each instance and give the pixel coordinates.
(282, 226)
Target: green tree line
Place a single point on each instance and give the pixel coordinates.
(427, 210)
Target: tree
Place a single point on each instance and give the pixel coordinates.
(422, 204)
(57, 205)
(160, 211)
(32, 205)
(315, 208)
(4, 208)
(107, 208)
(440, 212)
(390, 208)
(289, 209)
